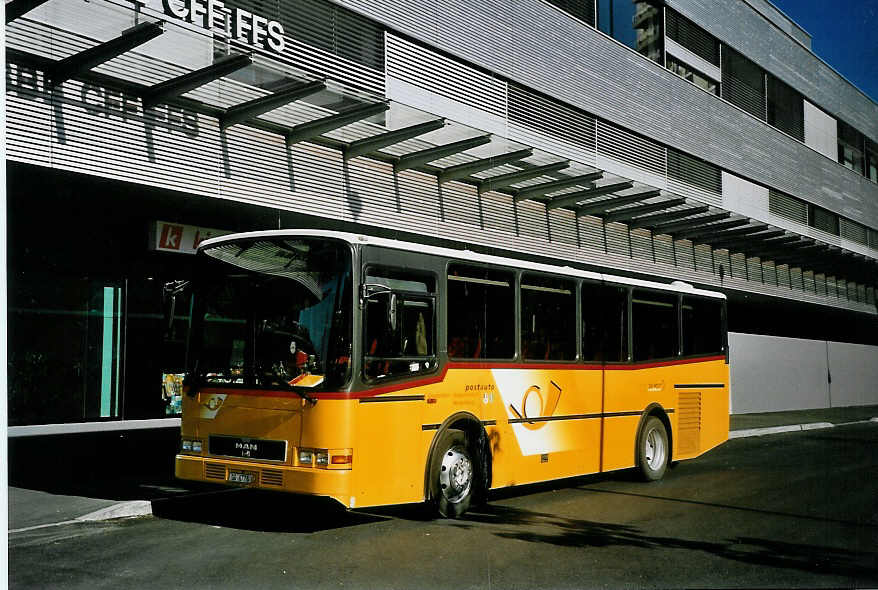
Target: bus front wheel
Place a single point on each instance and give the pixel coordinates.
(653, 449)
(452, 478)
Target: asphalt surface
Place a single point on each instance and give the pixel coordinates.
(786, 510)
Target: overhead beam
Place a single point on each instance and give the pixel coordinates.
(367, 145)
(459, 171)
(310, 129)
(630, 212)
(76, 64)
(649, 221)
(415, 159)
(182, 84)
(607, 204)
(510, 178)
(18, 8)
(711, 227)
(538, 190)
(751, 238)
(752, 241)
(584, 195)
(706, 237)
(669, 228)
(253, 108)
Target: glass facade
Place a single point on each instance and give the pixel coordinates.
(694, 76)
(87, 335)
(637, 24)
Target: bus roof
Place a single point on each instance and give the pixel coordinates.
(461, 255)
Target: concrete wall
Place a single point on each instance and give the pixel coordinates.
(771, 374)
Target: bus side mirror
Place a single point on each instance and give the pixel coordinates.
(170, 292)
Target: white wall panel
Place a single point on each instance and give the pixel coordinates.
(821, 131)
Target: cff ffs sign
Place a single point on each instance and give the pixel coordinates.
(241, 24)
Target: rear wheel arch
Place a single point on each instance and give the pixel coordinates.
(659, 412)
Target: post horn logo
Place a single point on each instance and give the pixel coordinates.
(537, 404)
(214, 403)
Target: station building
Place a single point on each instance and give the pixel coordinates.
(676, 140)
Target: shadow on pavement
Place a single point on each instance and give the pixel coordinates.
(537, 527)
(258, 510)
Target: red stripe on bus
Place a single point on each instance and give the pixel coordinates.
(461, 366)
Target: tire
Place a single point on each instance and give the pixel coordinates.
(452, 474)
(652, 449)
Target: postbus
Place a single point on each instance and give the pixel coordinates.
(376, 371)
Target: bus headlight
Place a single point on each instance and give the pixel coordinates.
(322, 458)
(306, 457)
(190, 445)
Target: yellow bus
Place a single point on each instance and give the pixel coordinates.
(375, 371)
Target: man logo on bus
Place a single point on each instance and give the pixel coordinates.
(536, 404)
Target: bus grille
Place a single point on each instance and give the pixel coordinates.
(272, 477)
(215, 471)
(689, 422)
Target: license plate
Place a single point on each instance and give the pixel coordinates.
(242, 477)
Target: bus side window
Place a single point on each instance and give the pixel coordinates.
(604, 323)
(399, 331)
(481, 313)
(702, 326)
(548, 318)
(654, 325)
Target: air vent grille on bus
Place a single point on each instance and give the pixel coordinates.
(689, 422)
(215, 471)
(272, 477)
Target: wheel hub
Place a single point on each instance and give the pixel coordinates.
(455, 474)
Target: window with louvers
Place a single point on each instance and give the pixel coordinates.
(326, 26)
(692, 37)
(823, 220)
(786, 108)
(697, 172)
(581, 9)
(743, 82)
(550, 116)
(853, 231)
(789, 207)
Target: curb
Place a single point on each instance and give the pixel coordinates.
(748, 432)
(121, 510)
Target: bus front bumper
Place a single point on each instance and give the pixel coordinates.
(334, 483)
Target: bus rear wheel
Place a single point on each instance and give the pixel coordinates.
(452, 477)
(653, 449)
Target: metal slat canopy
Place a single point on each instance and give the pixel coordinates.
(415, 159)
(578, 196)
(538, 190)
(367, 145)
(606, 204)
(310, 129)
(463, 170)
(707, 237)
(751, 242)
(510, 178)
(186, 82)
(650, 221)
(752, 238)
(70, 66)
(18, 8)
(669, 228)
(710, 228)
(253, 108)
(629, 212)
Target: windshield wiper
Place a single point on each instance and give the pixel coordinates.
(278, 378)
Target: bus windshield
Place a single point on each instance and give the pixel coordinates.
(274, 313)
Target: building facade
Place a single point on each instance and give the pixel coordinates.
(675, 140)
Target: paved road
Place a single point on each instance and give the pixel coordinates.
(789, 510)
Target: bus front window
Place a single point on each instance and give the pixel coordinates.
(274, 313)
